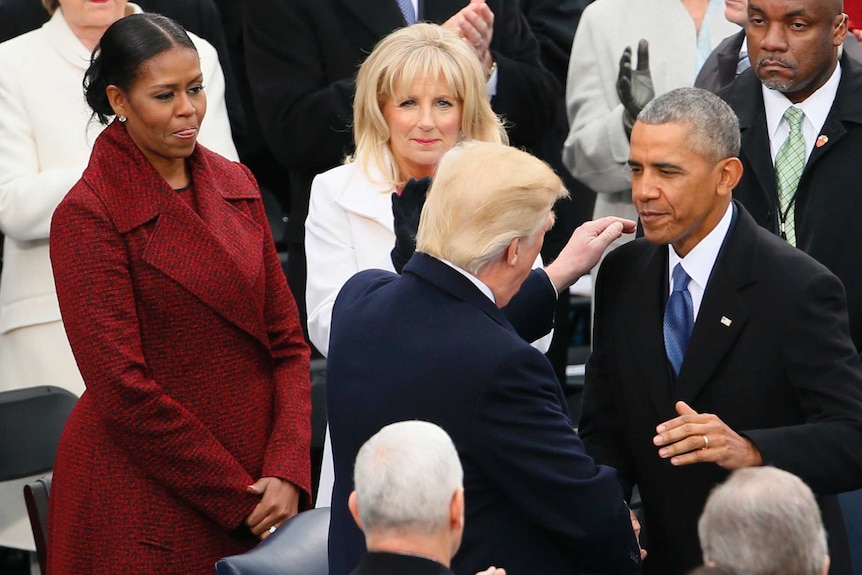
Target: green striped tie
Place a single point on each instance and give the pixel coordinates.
(789, 164)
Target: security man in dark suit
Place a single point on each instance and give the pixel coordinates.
(803, 182)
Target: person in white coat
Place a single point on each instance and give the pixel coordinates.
(419, 92)
(46, 134)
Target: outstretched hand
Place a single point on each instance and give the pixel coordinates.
(702, 437)
(492, 571)
(634, 86)
(406, 209)
(584, 249)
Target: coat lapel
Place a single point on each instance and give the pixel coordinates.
(368, 196)
(748, 100)
(642, 323)
(204, 253)
(723, 311)
(728, 58)
(844, 109)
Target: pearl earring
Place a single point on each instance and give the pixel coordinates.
(122, 119)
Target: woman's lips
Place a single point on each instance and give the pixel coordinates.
(186, 133)
(425, 142)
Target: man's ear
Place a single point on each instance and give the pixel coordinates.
(512, 251)
(456, 510)
(840, 32)
(117, 100)
(354, 509)
(731, 173)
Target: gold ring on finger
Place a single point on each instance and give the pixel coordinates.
(705, 442)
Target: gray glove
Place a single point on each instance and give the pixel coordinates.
(634, 87)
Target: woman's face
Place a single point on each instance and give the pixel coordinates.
(98, 14)
(164, 107)
(424, 122)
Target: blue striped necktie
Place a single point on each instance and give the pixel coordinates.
(678, 319)
(407, 9)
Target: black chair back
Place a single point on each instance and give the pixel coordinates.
(36, 497)
(31, 421)
(298, 547)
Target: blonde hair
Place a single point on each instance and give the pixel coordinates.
(484, 196)
(51, 6)
(398, 60)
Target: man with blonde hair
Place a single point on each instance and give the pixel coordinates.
(764, 521)
(432, 344)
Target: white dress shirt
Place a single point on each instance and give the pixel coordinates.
(698, 263)
(816, 108)
(482, 286)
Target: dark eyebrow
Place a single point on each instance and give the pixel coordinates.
(667, 166)
(197, 79)
(659, 165)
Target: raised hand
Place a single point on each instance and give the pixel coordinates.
(634, 86)
(584, 249)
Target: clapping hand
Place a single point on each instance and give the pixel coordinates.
(634, 86)
(406, 209)
(475, 24)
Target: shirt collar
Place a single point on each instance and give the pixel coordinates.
(473, 279)
(816, 106)
(698, 263)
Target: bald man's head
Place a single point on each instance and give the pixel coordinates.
(796, 62)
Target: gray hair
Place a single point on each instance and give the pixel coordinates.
(714, 126)
(405, 476)
(763, 521)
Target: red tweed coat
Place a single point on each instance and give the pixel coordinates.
(190, 346)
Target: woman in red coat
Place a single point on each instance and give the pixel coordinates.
(191, 441)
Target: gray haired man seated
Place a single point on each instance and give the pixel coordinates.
(409, 501)
(764, 521)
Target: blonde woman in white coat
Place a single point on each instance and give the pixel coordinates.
(45, 141)
(420, 91)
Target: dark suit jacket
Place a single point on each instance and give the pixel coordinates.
(20, 16)
(827, 199)
(719, 70)
(429, 345)
(303, 55)
(784, 373)
(378, 563)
